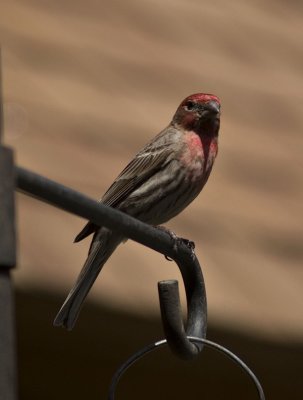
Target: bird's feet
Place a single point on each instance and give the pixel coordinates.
(177, 241)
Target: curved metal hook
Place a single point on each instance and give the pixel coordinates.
(175, 332)
(135, 357)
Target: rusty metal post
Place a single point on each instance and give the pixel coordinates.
(8, 381)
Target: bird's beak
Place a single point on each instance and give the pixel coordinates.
(210, 110)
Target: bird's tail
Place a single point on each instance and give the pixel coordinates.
(103, 245)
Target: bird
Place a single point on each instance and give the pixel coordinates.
(158, 183)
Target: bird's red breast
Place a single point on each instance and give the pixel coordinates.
(200, 152)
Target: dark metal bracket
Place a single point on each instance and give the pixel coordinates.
(8, 369)
(102, 215)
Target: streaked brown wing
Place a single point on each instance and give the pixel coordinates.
(138, 170)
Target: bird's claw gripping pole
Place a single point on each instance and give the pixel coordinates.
(81, 205)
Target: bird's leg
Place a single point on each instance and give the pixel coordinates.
(177, 241)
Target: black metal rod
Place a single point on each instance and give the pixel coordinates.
(7, 209)
(102, 215)
(8, 369)
(1, 100)
(8, 364)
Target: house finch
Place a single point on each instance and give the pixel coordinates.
(162, 179)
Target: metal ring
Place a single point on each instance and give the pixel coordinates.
(135, 357)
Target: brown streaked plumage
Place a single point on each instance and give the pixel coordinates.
(162, 179)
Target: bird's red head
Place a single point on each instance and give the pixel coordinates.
(199, 112)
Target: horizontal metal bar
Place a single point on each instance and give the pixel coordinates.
(76, 203)
(158, 240)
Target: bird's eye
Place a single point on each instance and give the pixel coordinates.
(190, 105)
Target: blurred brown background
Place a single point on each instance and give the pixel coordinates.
(86, 84)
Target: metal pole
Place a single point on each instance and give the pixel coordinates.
(8, 387)
(72, 201)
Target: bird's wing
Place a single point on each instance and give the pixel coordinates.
(137, 171)
(149, 160)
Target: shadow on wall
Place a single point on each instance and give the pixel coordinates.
(56, 364)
